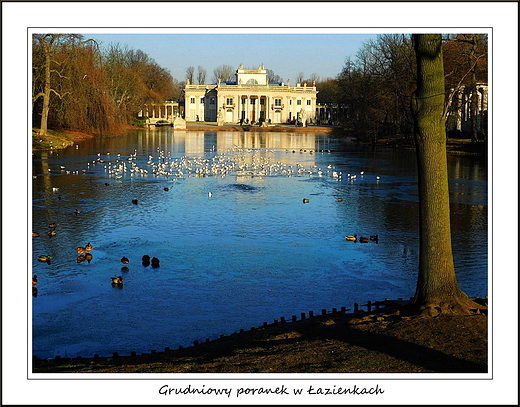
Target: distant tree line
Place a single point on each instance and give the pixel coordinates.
(77, 86)
(376, 86)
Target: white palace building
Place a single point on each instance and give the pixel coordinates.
(250, 99)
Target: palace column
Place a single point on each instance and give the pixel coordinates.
(267, 108)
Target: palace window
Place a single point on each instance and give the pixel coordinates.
(202, 100)
(253, 101)
(278, 102)
(299, 102)
(192, 100)
(309, 102)
(244, 101)
(229, 101)
(262, 101)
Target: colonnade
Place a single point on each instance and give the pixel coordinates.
(166, 110)
(331, 113)
(461, 108)
(269, 108)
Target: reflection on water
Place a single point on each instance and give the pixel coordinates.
(223, 213)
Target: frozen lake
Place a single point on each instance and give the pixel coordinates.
(236, 243)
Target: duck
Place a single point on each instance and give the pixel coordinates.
(45, 258)
(81, 250)
(53, 225)
(134, 201)
(146, 260)
(51, 233)
(35, 234)
(166, 188)
(88, 247)
(155, 262)
(34, 280)
(305, 200)
(340, 199)
(125, 260)
(363, 239)
(375, 237)
(76, 212)
(117, 280)
(351, 238)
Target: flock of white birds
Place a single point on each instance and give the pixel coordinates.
(237, 161)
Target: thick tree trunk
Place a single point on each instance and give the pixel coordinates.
(437, 287)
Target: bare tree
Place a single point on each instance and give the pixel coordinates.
(300, 77)
(223, 72)
(201, 75)
(54, 50)
(466, 66)
(272, 77)
(314, 78)
(190, 70)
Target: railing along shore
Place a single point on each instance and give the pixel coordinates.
(377, 306)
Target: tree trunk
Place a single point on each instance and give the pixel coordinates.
(46, 89)
(437, 287)
(474, 107)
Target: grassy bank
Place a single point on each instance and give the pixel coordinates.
(55, 139)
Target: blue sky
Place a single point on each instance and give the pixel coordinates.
(286, 54)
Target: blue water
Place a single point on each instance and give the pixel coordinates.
(237, 245)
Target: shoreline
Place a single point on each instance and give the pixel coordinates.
(272, 128)
(56, 140)
(385, 340)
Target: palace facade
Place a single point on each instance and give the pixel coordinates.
(250, 98)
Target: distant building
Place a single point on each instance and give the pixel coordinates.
(159, 111)
(466, 104)
(249, 98)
